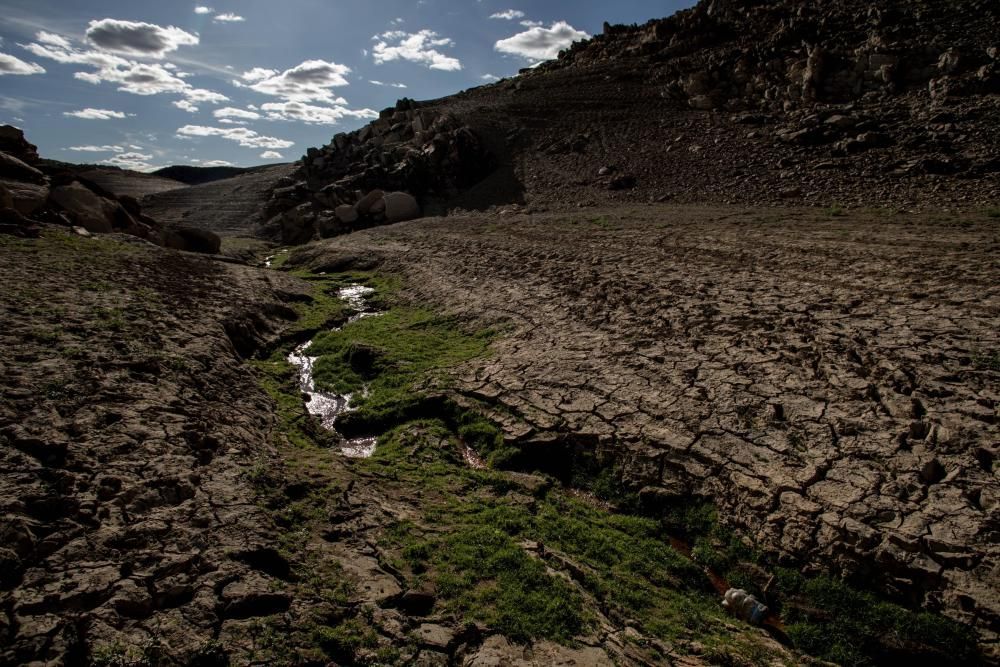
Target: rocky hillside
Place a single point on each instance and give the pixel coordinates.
(742, 101)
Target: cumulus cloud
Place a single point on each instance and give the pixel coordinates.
(531, 24)
(131, 76)
(138, 39)
(201, 9)
(133, 161)
(313, 115)
(243, 136)
(391, 85)
(97, 149)
(203, 95)
(217, 163)
(417, 47)
(271, 155)
(508, 14)
(228, 18)
(232, 112)
(490, 77)
(95, 114)
(310, 81)
(12, 65)
(258, 74)
(185, 105)
(53, 39)
(541, 43)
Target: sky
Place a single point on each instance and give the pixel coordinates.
(142, 84)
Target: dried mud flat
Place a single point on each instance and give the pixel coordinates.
(829, 379)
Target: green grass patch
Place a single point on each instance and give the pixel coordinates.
(835, 211)
(993, 212)
(470, 549)
(387, 360)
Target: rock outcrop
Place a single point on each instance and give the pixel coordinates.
(34, 193)
(412, 151)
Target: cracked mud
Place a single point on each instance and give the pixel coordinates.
(829, 381)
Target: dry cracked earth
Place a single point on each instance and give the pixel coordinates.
(830, 380)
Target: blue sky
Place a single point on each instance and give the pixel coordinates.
(146, 84)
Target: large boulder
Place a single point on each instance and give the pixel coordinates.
(93, 213)
(25, 198)
(400, 206)
(364, 205)
(347, 214)
(298, 225)
(15, 169)
(12, 141)
(192, 239)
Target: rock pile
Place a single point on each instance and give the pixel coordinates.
(33, 192)
(376, 174)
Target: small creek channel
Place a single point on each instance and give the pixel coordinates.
(329, 406)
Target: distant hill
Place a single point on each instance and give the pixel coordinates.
(198, 175)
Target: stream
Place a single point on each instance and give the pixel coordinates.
(329, 406)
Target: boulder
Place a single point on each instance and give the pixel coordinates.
(192, 239)
(15, 169)
(329, 226)
(365, 204)
(12, 141)
(26, 198)
(347, 214)
(298, 225)
(89, 211)
(400, 206)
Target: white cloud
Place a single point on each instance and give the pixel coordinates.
(136, 38)
(307, 113)
(508, 14)
(228, 18)
(531, 24)
(131, 76)
(391, 85)
(53, 40)
(133, 161)
(97, 149)
(202, 95)
(185, 105)
(12, 65)
(540, 43)
(241, 135)
(490, 77)
(230, 121)
(258, 74)
(310, 81)
(271, 155)
(95, 114)
(417, 47)
(231, 112)
(201, 9)
(217, 163)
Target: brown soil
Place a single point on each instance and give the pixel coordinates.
(128, 424)
(829, 380)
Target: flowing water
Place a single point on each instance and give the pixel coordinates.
(329, 406)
